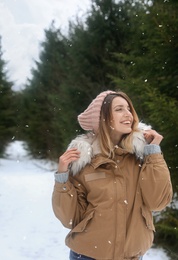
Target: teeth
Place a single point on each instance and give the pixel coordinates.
(126, 122)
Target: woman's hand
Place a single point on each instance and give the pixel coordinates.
(66, 158)
(152, 137)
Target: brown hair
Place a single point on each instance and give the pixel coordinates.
(107, 147)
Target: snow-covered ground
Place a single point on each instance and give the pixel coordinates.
(28, 227)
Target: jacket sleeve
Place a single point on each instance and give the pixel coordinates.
(155, 182)
(69, 202)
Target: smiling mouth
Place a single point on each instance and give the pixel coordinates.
(128, 122)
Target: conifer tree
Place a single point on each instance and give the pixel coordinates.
(42, 98)
(7, 116)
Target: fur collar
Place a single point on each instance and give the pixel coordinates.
(88, 146)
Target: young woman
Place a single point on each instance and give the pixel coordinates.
(109, 181)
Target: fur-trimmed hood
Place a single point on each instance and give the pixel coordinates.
(88, 146)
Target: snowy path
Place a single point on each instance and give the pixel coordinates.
(28, 228)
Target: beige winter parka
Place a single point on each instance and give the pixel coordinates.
(108, 204)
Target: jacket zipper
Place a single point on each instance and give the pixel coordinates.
(115, 190)
(116, 207)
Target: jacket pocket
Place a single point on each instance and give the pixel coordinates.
(95, 176)
(148, 218)
(82, 225)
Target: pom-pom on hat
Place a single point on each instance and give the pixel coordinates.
(89, 119)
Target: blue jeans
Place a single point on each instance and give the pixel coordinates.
(75, 256)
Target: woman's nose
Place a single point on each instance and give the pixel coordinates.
(128, 112)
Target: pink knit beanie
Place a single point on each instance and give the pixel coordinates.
(89, 119)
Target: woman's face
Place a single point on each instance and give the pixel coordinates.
(122, 119)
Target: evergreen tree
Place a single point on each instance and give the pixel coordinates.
(92, 44)
(167, 232)
(7, 116)
(43, 96)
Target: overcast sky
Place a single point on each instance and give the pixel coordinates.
(22, 24)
